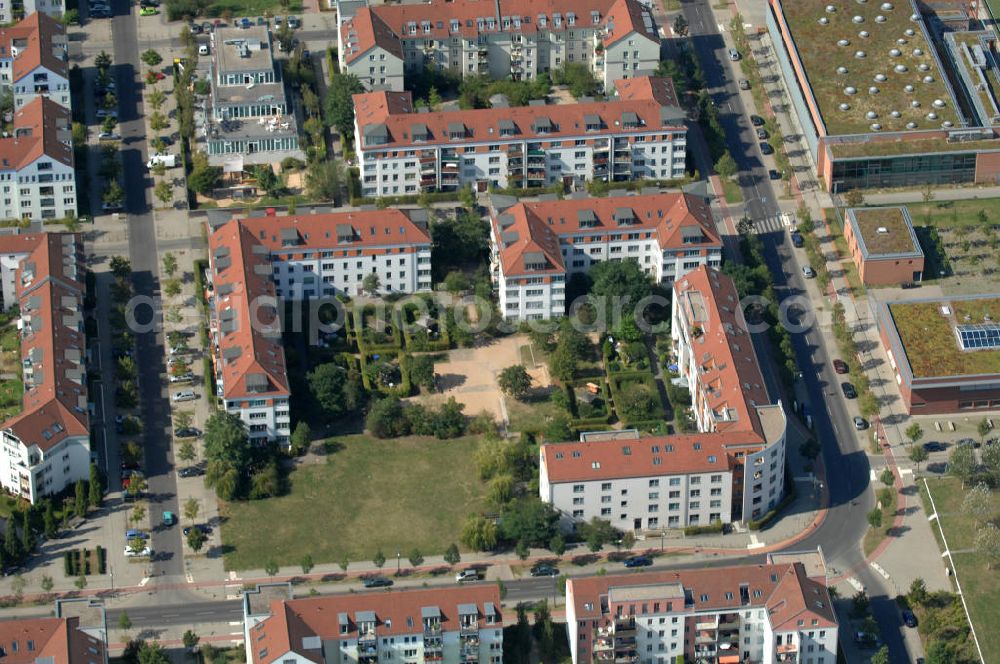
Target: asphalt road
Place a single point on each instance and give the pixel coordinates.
(847, 466)
(154, 407)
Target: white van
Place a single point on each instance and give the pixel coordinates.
(203, 49)
(168, 160)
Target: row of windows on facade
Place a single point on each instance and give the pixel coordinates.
(251, 146)
(678, 144)
(387, 263)
(654, 483)
(654, 522)
(655, 495)
(328, 289)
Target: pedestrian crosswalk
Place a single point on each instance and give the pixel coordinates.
(772, 224)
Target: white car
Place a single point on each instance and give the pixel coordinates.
(467, 575)
(145, 553)
(182, 378)
(109, 136)
(184, 395)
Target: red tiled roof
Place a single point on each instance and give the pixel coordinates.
(772, 586)
(244, 294)
(539, 225)
(394, 110)
(41, 127)
(50, 297)
(369, 228)
(626, 17)
(365, 31)
(33, 37)
(397, 612)
(729, 376)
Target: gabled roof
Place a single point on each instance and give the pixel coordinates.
(365, 30)
(50, 295)
(357, 229)
(58, 640)
(798, 601)
(41, 128)
(39, 40)
(679, 221)
(628, 17)
(251, 357)
(393, 113)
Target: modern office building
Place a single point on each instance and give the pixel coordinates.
(37, 180)
(746, 614)
(731, 470)
(535, 247)
(250, 120)
(504, 39)
(884, 246)
(944, 352)
(33, 57)
(883, 99)
(451, 625)
(47, 444)
(639, 135)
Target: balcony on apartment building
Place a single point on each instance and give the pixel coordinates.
(786, 649)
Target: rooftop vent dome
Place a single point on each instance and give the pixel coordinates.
(909, 32)
(876, 126)
(862, 2)
(849, 90)
(900, 41)
(947, 123)
(900, 69)
(844, 42)
(860, 54)
(923, 66)
(932, 116)
(864, 34)
(914, 17)
(887, 6)
(911, 125)
(830, 9)
(939, 103)
(880, 78)
(917, 52)
(858, 19)
(841, 70)
(895, 114)
(844, 106)
(928, 79)
(871, 115)
(908, 88)
(880, 19)
(915, 104)
(873, 90)
(895, 52)
(823, 20)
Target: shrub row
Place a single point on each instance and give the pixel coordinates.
(78, 561)
(713, 528)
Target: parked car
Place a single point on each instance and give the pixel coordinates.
(934, 446)
(860, 423)
(467, 575)
(169, 519)
(756, 121)
(840, 366)
(734, 55)
(111, 207)
(773, 174)
(808, 272)
(278, 20)
(244, 23)
(149, 11)
(195, 28)
(968, 442)
(188, 432)
(544, 570)
(907, 285)
(293, 22)
(145, 553)
(765, 148)
(190, 471)
(638, 561)
(849, 391)
(135, 534)
(797, 240)
(909, 619)
(744, 84)
(182, 378)
(376, 582)
(109, 136)
(205, 528)
(762, 134)
(184, 395)
(105, 113)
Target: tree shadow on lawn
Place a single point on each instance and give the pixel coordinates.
(585, 559)
(449, 381)
(336, 576)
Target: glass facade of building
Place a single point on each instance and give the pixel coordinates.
(904, 171)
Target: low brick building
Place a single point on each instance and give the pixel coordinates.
(883, 245)
(945, 353)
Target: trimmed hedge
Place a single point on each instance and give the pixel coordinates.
(405, 387)
(619, 380)
(763, 521)
(209, 378)
(358, 313)
(102, 560)
(713, 528)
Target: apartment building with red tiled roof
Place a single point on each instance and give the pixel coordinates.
(502, 39)
(401, 152)
(747, 614)
(452, 625)
(537, 246)
(34, 60)
(732, 469)
(48, 442)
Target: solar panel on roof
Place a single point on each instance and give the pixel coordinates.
(979, 337)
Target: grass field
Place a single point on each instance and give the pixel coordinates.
(532, 414)
(981, 584)
(732, 192)
(369, 494)
(949, 214)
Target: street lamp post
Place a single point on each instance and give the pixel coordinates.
(663, 534)
(397, 562)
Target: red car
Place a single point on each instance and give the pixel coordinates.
(840, 366)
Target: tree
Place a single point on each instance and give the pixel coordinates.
(451, 555)
(138, 514)
(301, 438)
(578, 78)
(978, 503)
(121, 267)
(191, 508)
(726, 166)
(522, 550)
(266, 482)
(196, 539)
(156, 99)
(387, 419)
(152, 653)
(623, 279)
(875, 518)
(186, 451)
(529, 520)
(917, 455)
(203, 177)
(854, 198)
(881, 657)
(338, 106)
(94, 485)
(379, 559)
(163, 191)
(344, 563)
(227, 452)
(49, 525)
(983, 428)
(680, 25)
(114, 194)
(416, 558)
(918, 592)
(628, 540)
(962, 463)
(47, 583)
(102, 61)
(158, 121)
(990, 458)
(479, 533)
(151, 58)
(988, 543)
(17, 585)
(124, 622)
(271, 568)
(190, 639)
(887, 478)
(324, 180)
(515, 381)
(81, 582)
(80, 504)
(557, 544)
(562, 363)
(333, 389)
(940, 652)
(371, 284)
(27, 533)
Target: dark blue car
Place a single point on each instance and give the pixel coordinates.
(638, 561)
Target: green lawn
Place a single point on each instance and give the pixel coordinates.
(369, 494)
(531, 415)
(732, 192)
(994, 6)
(251, 8)
(981, 584)
(949, 214)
